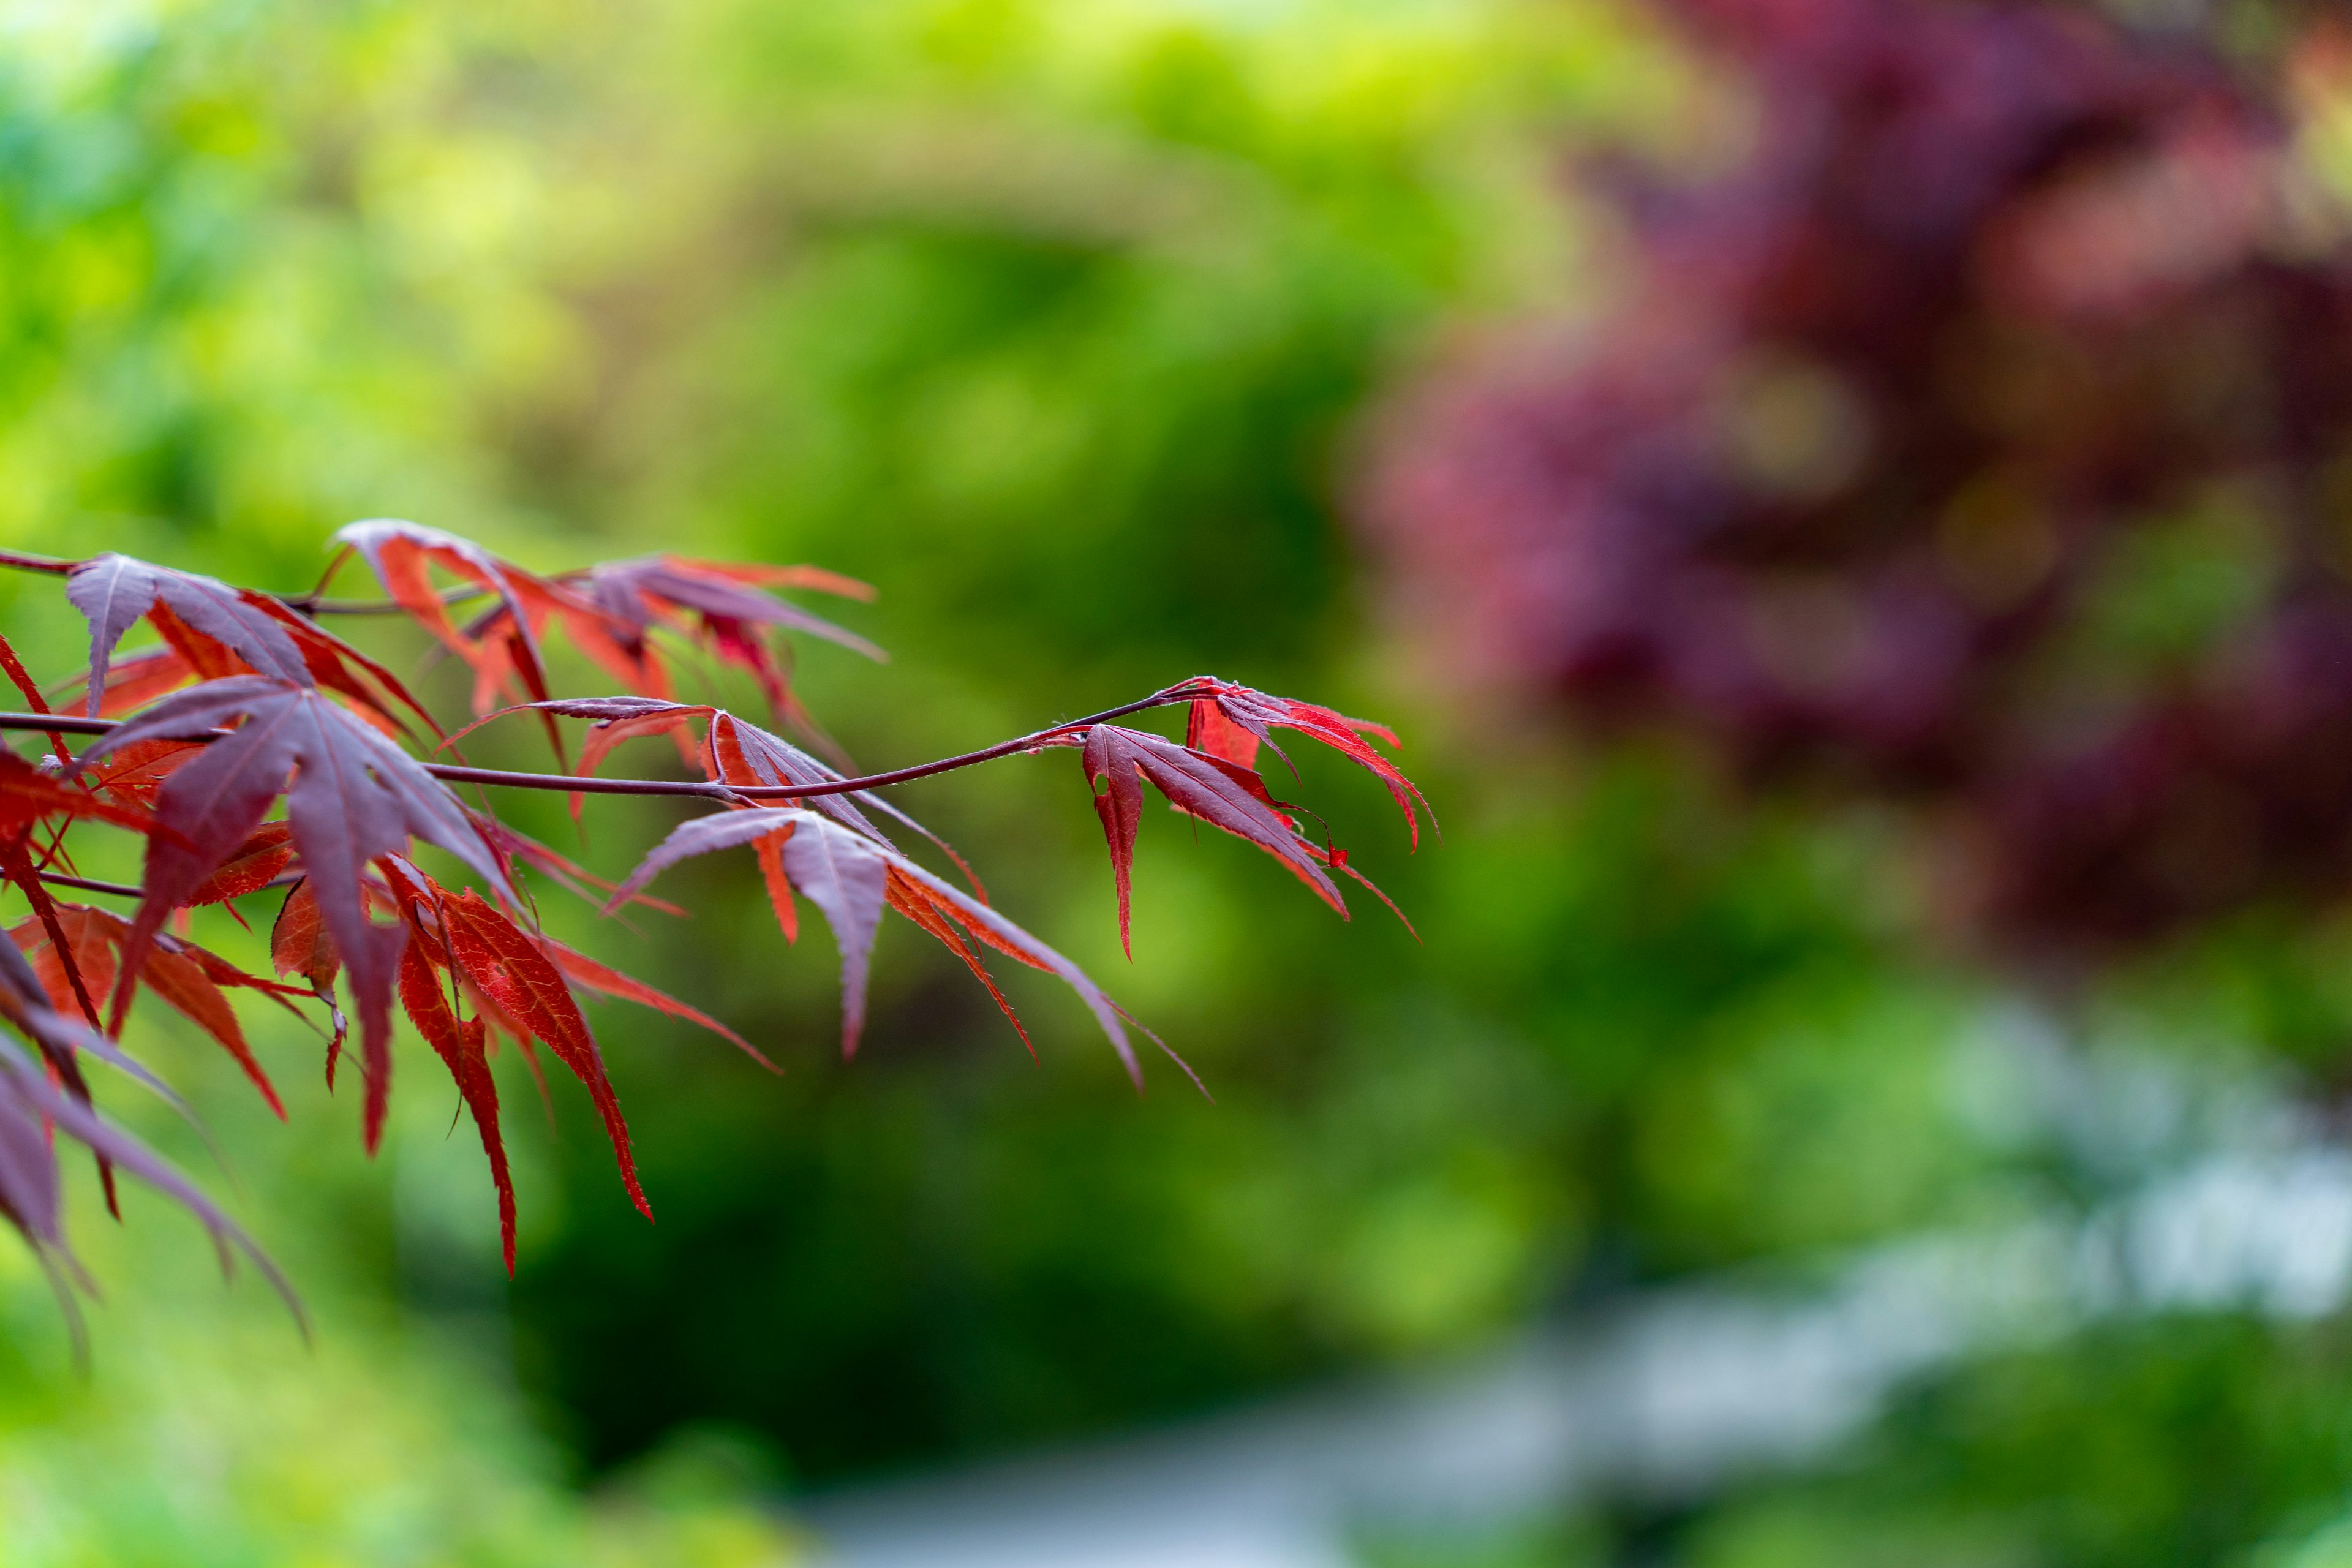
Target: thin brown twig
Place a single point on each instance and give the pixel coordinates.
(311, 603)
(576, 784)
(91, 885)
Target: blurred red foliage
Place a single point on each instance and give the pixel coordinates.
(1983, 437)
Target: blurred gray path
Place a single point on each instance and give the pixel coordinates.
(1672, 1394)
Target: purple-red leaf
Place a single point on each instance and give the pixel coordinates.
(1229, 721)
(700, 835)
(215, 630)
(630, 598)
(183, 976)
(845, 849)
(29, 1103)
(112, 591)
(839, 872)
(27, 1004)
(350, 797)
(1218, 792)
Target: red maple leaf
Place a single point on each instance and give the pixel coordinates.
(351, 798)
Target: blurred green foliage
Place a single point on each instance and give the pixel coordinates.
(1051, 320)
(1058, 321)
(201, 1428)
(2173, 1440)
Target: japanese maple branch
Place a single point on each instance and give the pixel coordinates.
(311, 603)
(91, 885)
(573, 783)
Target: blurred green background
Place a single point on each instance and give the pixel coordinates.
(1059, 323)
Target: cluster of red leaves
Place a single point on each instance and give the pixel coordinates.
(247, 707)
(608, 610)
(51, 1004)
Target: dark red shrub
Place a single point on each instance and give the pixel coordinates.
(1979, 437)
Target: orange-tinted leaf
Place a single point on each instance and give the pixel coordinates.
(135, 772)
(206, 657)
(761, 574)
(770, 849)
(86, 948)
(402, 552)
(224, 973)
(462, 1049)
(260, 860)
(298, 945)
(746, 754)
(188, 989)
(572, 876)
(26, 1003)
(18, 867)
(584, 970)
(22, 679)
(134, 681)
(332, 663)
(298, 940)
(631, 597)
(910, 898)
(1208, 730)
(716, 592)
(510, 966)
(27, 794)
